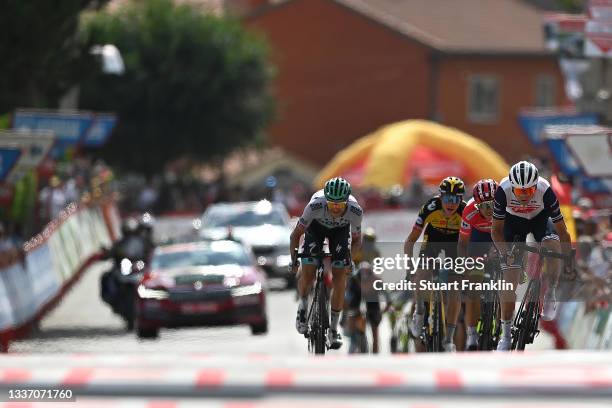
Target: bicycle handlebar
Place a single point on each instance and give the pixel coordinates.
(301, 255)
(542, 251)
(569, 259)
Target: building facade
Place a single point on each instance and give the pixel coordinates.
(348, 67)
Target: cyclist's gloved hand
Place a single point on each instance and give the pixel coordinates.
(293, 266)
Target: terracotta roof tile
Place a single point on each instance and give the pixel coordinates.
(483, 26)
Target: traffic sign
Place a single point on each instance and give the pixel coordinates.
(598, 38)
(600, 9)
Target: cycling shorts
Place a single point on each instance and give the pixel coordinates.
(339, 242)
(541, 226)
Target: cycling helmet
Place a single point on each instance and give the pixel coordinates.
(453, 186)
(129, 226)
(523, 175)
(337, 189)
(146, 222)
(369, 234)
(484, 190)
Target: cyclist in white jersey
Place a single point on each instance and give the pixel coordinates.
(332, 213)
(524, 203)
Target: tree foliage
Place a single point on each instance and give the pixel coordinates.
(41, 56)
(196, 85)
(571, 6)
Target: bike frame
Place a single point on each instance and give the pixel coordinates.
(435, 321)
(525, 326)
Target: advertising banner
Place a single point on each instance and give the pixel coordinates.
(68, 127)
(45, 281)
(100, 130)
(533, 121)
(8, 158)
(72, 128)
(34, 148)
(6, 310)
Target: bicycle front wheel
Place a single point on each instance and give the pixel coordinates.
(321, 324)
(529, 316)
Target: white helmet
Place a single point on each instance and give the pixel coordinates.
(523, 175)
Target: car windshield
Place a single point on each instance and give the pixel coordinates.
(242, 217)
(201, 257)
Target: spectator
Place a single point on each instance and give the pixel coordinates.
(52, 199)
(74, 189)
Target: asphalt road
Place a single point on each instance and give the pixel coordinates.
(82, 323)
(83, 331)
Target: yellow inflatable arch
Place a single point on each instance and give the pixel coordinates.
(387, 150)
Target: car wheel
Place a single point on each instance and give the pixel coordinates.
(147, 332)
(129, 324)
(260, 328)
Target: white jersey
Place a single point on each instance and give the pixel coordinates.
(317, 210)
(543, 199)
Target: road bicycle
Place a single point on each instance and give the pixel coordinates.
(489, 325)
(525, 325)
(434, 322)
(318, 309)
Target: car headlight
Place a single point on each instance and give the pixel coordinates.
(146, 293)
(246, 290)
(231, 281)
(283, 260)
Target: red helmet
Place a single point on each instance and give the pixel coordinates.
(484, 190)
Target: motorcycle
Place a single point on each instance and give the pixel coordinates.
(118, 288)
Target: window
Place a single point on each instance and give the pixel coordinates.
(545, 91)
(483, 99)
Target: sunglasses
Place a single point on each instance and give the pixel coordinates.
(336, 204)
(451, 199)
(524, 191)
(485, 205)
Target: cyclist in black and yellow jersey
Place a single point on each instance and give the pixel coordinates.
(440, 218)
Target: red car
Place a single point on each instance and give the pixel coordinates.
(206, 283)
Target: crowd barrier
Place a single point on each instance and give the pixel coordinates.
(586, 328)
(31, 285)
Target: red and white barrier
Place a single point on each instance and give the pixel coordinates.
(53, 261)
(586, 374)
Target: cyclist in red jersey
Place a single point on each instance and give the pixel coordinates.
(475, 241)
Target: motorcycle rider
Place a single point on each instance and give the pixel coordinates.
(131, 246)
